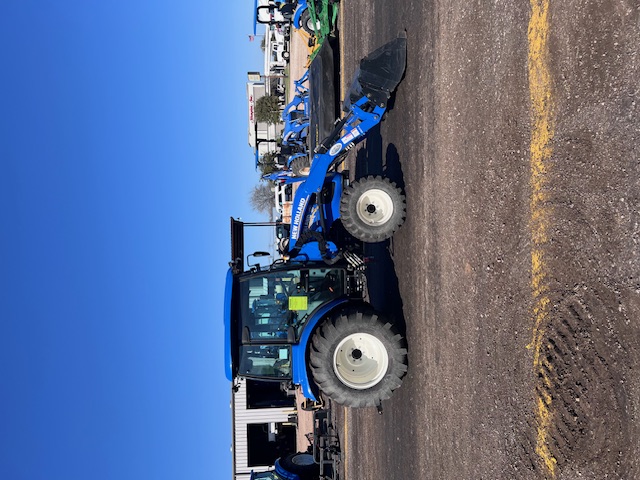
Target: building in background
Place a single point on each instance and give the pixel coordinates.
(264, 426)
(276, 43)
(263, 137)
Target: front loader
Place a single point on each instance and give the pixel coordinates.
(373, 208)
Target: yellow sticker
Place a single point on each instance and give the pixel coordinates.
(298, 303)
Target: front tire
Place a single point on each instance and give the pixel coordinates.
(301, 166)
(307, 23)
(372, 209)
(358, 359)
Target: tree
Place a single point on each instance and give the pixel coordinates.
(267, 163)
(262, 198)
(268, 109)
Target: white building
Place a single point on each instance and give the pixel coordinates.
(264, 426)
(262, 136)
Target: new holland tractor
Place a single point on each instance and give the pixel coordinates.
(302, 320)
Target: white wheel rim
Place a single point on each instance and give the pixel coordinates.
(303, 459)
(360, 361)
(375, 207)
(310, 25)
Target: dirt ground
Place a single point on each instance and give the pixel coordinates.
(515, 136)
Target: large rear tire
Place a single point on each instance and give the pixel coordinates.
(372, 209)
(358, 359)
(302, 464)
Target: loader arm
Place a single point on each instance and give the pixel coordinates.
(379, 74)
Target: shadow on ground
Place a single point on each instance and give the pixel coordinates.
(382, 281)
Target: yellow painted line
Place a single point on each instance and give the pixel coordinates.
(540, 150)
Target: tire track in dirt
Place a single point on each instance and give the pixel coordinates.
(584, 362)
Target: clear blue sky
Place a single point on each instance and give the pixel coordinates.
(123, 153)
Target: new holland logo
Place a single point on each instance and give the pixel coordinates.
(295, 227)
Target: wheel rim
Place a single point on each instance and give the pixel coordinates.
(303, 459)
(360, 361)
(375, 207)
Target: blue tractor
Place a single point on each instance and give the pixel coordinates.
(302, 320)
(297, 466)
(295, 116)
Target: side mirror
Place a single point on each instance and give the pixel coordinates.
(256, 266)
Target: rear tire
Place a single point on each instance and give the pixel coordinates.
(358, 359)
(302, 464)
(372, 209)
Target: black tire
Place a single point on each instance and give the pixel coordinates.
(301, 166)
(302, 464)
(372, 209)
(285, 55)
(358, 359)
(306, 23)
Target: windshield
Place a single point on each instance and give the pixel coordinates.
(273, 305)
(271, 302)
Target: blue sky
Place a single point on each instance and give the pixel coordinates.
(123, 149)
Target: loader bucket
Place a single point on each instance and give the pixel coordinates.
(379, 73)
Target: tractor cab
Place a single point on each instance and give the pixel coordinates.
(267, 309)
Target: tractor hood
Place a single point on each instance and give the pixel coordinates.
(379, 73)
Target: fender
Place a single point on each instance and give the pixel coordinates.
(299, 350)
(302, 6)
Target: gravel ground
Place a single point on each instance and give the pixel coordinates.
(516, 276)
(515, 136)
